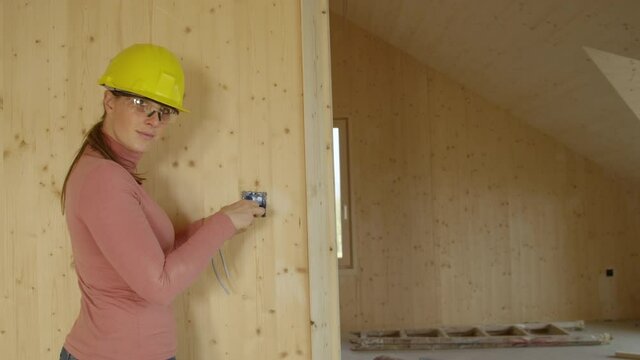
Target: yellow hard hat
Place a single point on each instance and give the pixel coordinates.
(147, 70)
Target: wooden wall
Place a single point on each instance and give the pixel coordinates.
(462, 213)
(318, 123)
(243, 62)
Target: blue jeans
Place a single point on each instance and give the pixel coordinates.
(64, 355)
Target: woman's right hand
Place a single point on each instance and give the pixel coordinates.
(242, 213)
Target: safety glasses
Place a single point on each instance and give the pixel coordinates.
(149, 107)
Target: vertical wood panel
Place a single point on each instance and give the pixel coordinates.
(28, 65)
(318, 124)
(7, 278)
(245, 131)
(513, 226)
(450, 197)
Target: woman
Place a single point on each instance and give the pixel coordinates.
(130, 263)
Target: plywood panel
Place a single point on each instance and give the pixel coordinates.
(245, 131)
(465, 214)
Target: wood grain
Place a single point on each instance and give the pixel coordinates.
(463, 213)
(245, 131)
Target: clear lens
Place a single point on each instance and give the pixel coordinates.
(165, 114)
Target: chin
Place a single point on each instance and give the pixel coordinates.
(142, 148)
(137, 147)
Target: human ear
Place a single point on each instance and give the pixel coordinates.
(108, 101)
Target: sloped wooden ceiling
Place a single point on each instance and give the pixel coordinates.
(569, 68)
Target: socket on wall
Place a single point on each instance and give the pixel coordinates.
(609, 272)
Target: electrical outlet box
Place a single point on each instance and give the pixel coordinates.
(609, 272)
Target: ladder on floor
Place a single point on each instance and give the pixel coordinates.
(469, 337)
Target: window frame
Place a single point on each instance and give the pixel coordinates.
(346, 262)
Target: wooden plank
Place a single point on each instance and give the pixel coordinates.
(489, 336)
(472, 342)
(627, 355)
(567, 325)
(318, 125)
(536, 327)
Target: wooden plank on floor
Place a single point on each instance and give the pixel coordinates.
(490, 336)
(627, 355)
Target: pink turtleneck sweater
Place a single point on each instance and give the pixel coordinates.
(130, 263)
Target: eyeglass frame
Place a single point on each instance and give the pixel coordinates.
(162, 117)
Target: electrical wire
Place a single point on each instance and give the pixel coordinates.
(224, 265)
(213, 266)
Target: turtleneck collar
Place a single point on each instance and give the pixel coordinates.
(129, 158)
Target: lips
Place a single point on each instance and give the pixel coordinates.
(145, 135)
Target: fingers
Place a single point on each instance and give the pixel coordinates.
(254, 207)
(258, 211)
(243, 212)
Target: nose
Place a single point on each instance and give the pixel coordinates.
(154, 120)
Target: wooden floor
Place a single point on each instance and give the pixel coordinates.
(626, 337)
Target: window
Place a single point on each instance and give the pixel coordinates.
(341, 185)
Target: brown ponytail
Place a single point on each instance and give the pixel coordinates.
(94, 139)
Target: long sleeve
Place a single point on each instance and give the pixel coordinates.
(184, 234)
(114, 216)
(129, 261)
